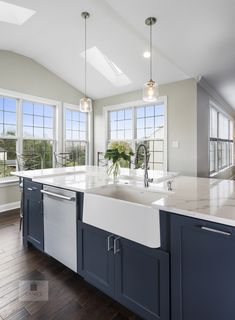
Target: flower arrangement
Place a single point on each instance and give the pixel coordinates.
(117, 151)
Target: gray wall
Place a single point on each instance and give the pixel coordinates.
(182, 123)
(204, 96)
(24, 75)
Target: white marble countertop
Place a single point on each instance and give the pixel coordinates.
(203, 198)
(31, 174)
(84, 178)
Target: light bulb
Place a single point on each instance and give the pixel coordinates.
(146, 54)
(150, 91)
(85, 105)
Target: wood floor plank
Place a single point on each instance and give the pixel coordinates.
(21, 314)
(70, 297)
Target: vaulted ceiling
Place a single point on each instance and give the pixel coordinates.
(191, 38)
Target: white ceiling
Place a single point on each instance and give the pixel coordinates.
(191, 38)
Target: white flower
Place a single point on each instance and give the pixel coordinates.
(121, 146)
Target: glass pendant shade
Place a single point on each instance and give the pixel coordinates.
(150, 91)
(85, 105)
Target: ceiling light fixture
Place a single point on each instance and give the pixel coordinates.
(14, 14)
(150, 89)
(85, 103)
(146, 54)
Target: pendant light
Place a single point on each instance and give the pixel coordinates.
(150, 89)
(85, 103)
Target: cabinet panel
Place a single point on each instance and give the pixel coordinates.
(202, 264)
(95, 262)
(33, 227)
(142, 280)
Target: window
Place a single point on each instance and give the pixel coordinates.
(38, 120)
(120, 124)
(150, 131)
(221, 141)
(44, 148)
(29, 125)
(7, 157)
(39, 131)
(8, 116)
(76, 134)
(141, 124)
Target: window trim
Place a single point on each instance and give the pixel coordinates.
(219, 110)
(134, 105)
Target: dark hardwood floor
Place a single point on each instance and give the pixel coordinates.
(70, 297)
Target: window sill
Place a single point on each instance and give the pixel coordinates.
(214, 174)
(8, 181)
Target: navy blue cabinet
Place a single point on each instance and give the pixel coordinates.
(202, 270)
(142, 279)
(134, 275)
(95, 260)
(33, 227)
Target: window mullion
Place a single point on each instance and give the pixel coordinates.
(20, 126)
(219, 151)
(134, 128)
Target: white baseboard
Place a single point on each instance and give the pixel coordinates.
(9, 206)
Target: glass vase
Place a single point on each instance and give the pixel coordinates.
(114, 170)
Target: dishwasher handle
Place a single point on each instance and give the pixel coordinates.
(59, 196)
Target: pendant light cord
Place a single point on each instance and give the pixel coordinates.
(150, 49)
(85, 56)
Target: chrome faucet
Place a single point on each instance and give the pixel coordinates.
(145, 165)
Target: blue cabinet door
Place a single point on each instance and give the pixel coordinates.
(202, 270)
(95, 258)
(142, 279)
(33, 226)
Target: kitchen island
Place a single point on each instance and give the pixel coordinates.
(186, 272)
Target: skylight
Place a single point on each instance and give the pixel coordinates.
(106, 67)
(11, 13)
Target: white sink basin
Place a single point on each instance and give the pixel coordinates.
(128, 193)
(124, 211)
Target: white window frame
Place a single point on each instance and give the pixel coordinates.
(88, 141)
(213, 105)
(55, 128)
(20, 97)
(133, 105)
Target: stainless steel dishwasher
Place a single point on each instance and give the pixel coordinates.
(60, 231)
